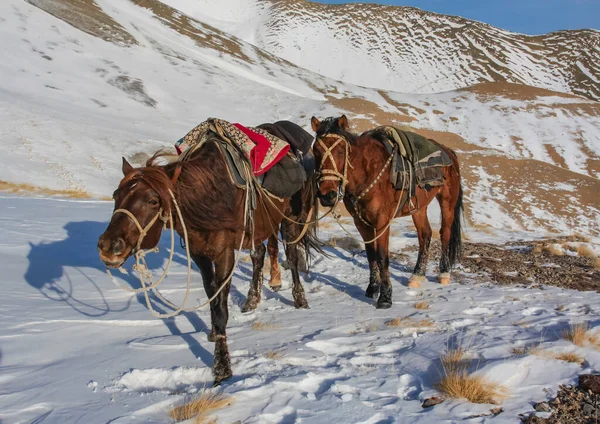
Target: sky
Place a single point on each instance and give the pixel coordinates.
(526, 16)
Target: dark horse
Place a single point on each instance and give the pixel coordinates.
(348, 165)
(213, 212)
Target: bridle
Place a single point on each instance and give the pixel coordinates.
(143, 230)
(334, 174)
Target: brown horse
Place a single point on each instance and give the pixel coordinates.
(349, 166)
(212, 208)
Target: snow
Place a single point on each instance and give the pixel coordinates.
(76, 348)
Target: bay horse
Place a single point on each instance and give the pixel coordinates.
(353, 168)
(212, 209)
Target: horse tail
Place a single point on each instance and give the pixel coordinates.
(455, 244)
(310, 241)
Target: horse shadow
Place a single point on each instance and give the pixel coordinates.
(47, 272)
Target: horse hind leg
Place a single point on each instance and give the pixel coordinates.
(275, 278)
(291, 252)
(255, 291)
(450, 232)
(424, 232)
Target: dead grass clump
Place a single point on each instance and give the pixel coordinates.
(364, 328)
(578, 237)
(585, 251)
(459, 384)
(410, 322)
(570, 357)
(452, 359)
(31, 189)
(554, 249)
(537, 248)
(200, 406)
(576, 333)
(259, 325)
(422, 305)
(273, 355)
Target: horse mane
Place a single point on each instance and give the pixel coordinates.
(207, 198)
(331, 126)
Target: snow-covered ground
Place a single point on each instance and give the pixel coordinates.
(76, 348)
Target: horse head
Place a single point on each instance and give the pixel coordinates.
(332, 154)
(142, 203)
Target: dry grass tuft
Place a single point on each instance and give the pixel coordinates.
(273, 355)
(554, 249)
(422, 305)
(200, 406)
(576, 333)
(364, 328)
(585, 251)
(570, 357)
(537, 248)
(452, 359)
(259, 325)
(406, 322)
(578, 237)
(458, 384)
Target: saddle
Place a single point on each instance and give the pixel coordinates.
(284, 177)
(416, 160)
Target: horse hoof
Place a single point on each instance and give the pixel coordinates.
(250, 305)
(444, 278)
(415, 281)
(384, 304)
(372, 292)
(275, 288)
(220, 379)
(301, 305)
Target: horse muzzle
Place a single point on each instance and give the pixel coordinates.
(329, 199)
(113, 253)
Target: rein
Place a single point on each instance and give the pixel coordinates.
(144, 274)
(335, 175)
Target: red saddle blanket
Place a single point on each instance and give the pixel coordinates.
(262, 149)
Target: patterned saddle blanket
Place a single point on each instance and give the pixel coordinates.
(275, 167)
(261, 148)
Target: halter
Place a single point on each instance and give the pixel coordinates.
(143, 231)
(334, 174)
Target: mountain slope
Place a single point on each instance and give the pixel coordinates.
(101, 79)
(406, 49)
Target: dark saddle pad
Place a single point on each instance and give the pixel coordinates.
(288, 175)
(416, 161)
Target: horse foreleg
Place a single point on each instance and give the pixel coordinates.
(255, 291)
(374, 272)
(208, 276)
(220, 315)
(275, 279)
(291, 252)
(424, 233)
(383, 262)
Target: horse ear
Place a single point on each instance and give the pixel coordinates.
(343, 122)
(127, 168)
(315, 123)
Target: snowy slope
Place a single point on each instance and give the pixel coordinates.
(406, 49)
(76, 348)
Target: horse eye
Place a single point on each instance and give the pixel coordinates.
(153, 202)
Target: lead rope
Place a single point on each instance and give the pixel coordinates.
(142, 268)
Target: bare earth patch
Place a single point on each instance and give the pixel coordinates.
(523, 263)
